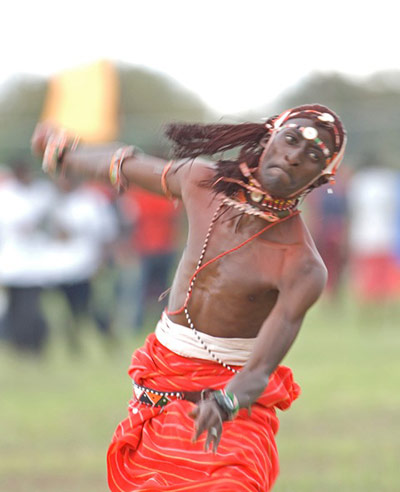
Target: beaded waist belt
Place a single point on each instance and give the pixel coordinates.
(156, 398)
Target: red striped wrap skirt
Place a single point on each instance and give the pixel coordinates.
(152, 449)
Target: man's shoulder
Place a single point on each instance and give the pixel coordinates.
(197, 176)
(196, 170)
(311, 262)
(304, 260)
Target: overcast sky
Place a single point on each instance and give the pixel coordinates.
(236, 55)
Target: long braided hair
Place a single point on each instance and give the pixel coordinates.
(193, 140)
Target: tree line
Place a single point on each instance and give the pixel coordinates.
(148, 100)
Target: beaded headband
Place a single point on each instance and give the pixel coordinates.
(310, 133)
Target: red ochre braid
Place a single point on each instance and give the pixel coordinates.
(199, 268)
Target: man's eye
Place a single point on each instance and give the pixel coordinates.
(290, 139)
(315, 156)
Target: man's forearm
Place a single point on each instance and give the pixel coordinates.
(91, 162)
(94, 162)
(248, 385)
(273, 342)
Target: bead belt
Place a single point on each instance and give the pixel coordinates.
(156, 398)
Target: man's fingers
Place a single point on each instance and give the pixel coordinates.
(40, 136)
(207, 418)
(203, 423)
(216, 442)
(209, 440)
(200, 428)
(213, 437)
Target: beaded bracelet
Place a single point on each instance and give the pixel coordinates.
(56, 146)
(227, 402)
(117, 178)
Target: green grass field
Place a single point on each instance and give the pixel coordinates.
(57, 414)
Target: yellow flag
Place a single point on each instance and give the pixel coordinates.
(85, 101)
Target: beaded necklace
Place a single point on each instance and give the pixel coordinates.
(251, 192)
(269, 209)
(201, 266)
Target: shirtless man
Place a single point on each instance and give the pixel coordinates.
(247, 277)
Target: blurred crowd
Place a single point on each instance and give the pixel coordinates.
(60, 236)
(356, 227)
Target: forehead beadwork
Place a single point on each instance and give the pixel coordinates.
(310, 133)
(326, 118)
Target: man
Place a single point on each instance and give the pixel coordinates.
(151, 245)
(247, 277)
(84, 227)
(25, 203)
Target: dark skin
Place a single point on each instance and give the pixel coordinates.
(284, 272)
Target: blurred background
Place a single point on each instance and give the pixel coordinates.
(81, 269)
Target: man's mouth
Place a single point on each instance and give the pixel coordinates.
(275, 168)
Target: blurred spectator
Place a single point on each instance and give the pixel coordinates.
(153, 242)
(373, 198)
(84, 226)
(328, 219)
(24, 207)
(397, 239)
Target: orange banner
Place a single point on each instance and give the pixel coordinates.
(85, 101)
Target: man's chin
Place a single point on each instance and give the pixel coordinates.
(277, 187)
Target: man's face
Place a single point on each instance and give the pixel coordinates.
(291, 161)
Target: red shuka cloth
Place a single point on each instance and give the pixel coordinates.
(152, 449)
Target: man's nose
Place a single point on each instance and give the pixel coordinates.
(294, 156)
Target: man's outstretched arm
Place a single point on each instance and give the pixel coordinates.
(94, 162)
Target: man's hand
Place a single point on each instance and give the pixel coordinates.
(51, 144)
(40, 137)
(207, 417)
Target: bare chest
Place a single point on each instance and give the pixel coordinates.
(238, 281)
(241, 267)
(230, 297)
(237, 255)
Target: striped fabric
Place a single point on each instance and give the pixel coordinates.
(151, 450)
